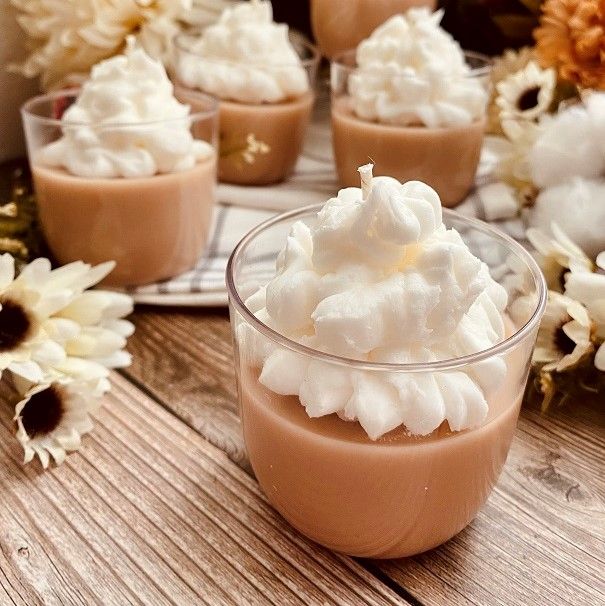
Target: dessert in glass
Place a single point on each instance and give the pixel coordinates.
(409, 100)
(380, 371)
(124, 171)
(339, 25)
(264, 79)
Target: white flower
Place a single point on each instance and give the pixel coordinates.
(557, 255)
(564, 335)
(47, 316)
(579, 206)
(571, 144)
(70, 36)
(52, 417)
(526, 94)
(514, 165)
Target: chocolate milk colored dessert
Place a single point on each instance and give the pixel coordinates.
(339, 25)
(264, 80)
(380, 375)
(127, 180)
(407, 99)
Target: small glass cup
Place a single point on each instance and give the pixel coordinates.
(154, 227)
(259, 142)
(342, 24)
(399, 495)
(444, 157)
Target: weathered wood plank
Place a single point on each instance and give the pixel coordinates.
(148, 512)
(540, 538)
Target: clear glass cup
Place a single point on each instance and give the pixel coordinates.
(399, 495)
(444, 157)
(154, 227)
(342, 24)
(260, 142)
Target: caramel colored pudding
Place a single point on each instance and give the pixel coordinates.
(339, 25)
(395, 497)
(153, 227)
(244, 128)
(444, 158)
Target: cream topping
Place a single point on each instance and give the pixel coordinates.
(378, 277)
(245, 57)
(126, 122)
(412, 72)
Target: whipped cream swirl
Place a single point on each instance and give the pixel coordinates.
(245, 57)
(412, 72)
(378, 277)
(126, 122)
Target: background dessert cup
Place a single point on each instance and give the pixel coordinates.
(154, 227)
(398, 495)
(259, 142)
(444, 157)
(342, 24)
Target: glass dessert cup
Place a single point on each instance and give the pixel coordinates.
(154, 227)
(399, 495)
(259, 142)
(342, 24)
(446, 158)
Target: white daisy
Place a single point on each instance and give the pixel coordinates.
(589, 289)
(46, 315)
(526, 94)
(564, 335)
(557, 254)
(52, 417)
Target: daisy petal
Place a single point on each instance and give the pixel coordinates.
(599, 359)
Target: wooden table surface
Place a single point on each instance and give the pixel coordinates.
(160, 507)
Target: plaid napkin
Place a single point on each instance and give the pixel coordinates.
(242, 208)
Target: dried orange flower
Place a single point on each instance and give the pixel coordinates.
(571, 38)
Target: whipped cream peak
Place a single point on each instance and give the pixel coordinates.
(245, 57)
(126, 122)
(378, 277)
(412, 72)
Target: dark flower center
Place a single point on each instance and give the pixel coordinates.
(42, 413)
(562, 342)
(529, 99)
(14, 325)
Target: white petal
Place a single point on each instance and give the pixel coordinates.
(122, 327)
(28, 370)
(61, 329)
(48, 353)
(119, 359)
(599, 359)
(7, 270)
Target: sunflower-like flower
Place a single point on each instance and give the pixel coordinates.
(47, 316)
(52, 417)
(557, 255)
(571, 38)
(67, 38)
(526, 94)
(564, 337)
(510, 62)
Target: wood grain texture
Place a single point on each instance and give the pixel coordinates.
(540, 539)
(148, 512)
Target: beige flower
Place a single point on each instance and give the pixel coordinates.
(510, 62)
(52, 417)
(68, 37)
(514, 167)
(526, 94)
(48, 316)
(564, 335)
(556, 255)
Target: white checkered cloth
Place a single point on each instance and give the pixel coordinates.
(242, 208)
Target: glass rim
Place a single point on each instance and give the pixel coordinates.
(296, 36)
(487, 63)
(417, 367)
(28, 113)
